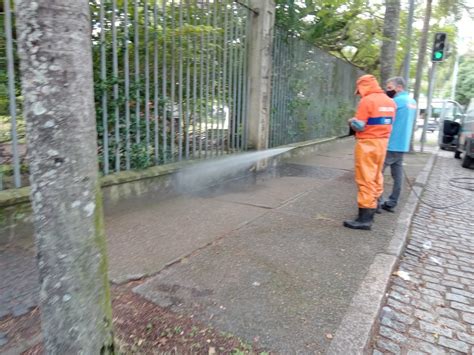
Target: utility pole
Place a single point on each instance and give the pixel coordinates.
(455, 78)
(428, 105)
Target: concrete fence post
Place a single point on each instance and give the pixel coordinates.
(260, 73)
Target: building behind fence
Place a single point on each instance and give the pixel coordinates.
(171, 84)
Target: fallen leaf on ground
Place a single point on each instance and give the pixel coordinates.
(402, 274)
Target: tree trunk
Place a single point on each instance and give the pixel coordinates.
(56, 64)
(421, 61)
(407, 59)
(390, 34)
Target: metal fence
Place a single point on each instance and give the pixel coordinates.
(312, 91)
(169, 83)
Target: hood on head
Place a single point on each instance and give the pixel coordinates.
(367, 84)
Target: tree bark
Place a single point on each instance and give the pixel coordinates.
(390, 35)
(56, 66)
(408, 46)
(421, 61)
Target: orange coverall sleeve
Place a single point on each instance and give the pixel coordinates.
(363, 110)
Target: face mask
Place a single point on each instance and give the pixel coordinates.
(390, 93)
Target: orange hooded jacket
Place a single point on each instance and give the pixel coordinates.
(375, 108)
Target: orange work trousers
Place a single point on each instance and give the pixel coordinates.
(369, 158)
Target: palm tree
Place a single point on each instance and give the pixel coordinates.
(56, 69)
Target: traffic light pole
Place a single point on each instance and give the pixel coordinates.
(428, 105)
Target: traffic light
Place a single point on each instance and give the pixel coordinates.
(439, 47)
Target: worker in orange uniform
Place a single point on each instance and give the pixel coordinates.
(372, 125)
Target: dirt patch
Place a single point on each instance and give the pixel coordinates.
(141, 327)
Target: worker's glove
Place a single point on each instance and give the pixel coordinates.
(357, 125)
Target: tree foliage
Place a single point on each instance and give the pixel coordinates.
(465, 85)
(352, 29)
(340, 27)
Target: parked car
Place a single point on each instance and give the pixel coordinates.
(437, 107)
(450, 119)
(466, 138)
(458, 134)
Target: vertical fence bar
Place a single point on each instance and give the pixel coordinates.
(287, 119)
(213, 77)
(208, 23)
(224, 78)
(274, 89)
(103, 78)
(245, 80)
(188, 78)
(173, 80)
(283, 93)
(194, 39)
(280, 93)
(281, 96)
(116, 88)
(201, 81)
(12, 94)
(239, 91)
(279, 90)
(218, 82)
(126, 69)
(164, 82)
(136, 30)
(231, 123)
(147, 80)
(180, 79)
(155, 82)
(286, 99)
(283, 80)
(234, 89)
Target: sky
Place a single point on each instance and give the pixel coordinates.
(465, 27)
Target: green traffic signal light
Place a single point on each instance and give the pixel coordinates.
(439, 46)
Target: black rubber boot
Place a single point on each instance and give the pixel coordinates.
(364, 221)
(379, 207)
(388, 208)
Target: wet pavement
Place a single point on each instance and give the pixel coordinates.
(267, 261)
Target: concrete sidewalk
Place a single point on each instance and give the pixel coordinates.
(267, 261)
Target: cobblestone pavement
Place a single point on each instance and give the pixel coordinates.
(430, 303)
